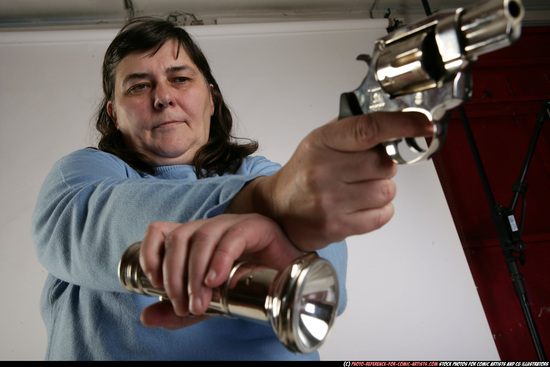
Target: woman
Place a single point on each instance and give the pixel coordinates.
(168, 172)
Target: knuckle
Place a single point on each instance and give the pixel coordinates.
(337, 230)
(331, 225)
(239, 229)
(154, 227)
(172, 288)
(311, 178)
(309, 142)
(385, 164)
(201, 235)
(367, 129)
(388, 191)
(392, 168)
(255, 221)
(174, 242)
(322, 208)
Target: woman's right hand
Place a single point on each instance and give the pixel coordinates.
(338, 182)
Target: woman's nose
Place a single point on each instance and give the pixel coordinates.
(163, 98)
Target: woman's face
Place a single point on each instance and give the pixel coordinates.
(162, 105)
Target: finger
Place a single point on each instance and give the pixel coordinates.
(356, 223)
(369, 220)
(254, 235)
(227, 237)
(363, 132)
(175, 265)
(202, 245)
(161, 314)
(152, 251)
(362, 196)
(372, 164)
(347, 211)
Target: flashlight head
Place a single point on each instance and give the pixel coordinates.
(305, 303)
(300, 302)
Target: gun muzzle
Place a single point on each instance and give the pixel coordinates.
(490, 26)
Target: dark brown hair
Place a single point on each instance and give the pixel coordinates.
(221, 153)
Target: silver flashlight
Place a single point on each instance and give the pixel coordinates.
(300, 302)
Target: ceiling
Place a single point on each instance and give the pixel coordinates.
(33, 14)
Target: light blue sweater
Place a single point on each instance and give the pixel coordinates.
(91, 207)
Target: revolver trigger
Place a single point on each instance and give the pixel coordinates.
(413, 145)
(392, 149)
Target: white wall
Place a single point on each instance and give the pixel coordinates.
(411, 295)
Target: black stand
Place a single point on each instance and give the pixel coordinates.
(503, 218)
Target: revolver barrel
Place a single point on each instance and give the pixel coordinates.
(490, 26)
(429, 53)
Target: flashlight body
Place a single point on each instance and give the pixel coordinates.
(250, 285)
(300, 302)
(425, 68)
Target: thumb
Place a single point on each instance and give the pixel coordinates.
(161, 314)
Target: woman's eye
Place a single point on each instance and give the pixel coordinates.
(181, 79)
(137, 88)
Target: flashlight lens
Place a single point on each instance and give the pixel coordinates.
(316, 306)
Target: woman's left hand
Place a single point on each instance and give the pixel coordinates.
(191, 259)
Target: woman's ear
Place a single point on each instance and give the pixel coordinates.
(212, 105)
(111, 112)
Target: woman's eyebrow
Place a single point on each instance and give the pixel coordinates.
(135, 76)
(170, 70)
(178, 68)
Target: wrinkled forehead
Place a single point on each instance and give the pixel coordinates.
(167, 56)
(170, 47)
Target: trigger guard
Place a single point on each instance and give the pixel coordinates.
(394, 151)
(413, 145)
(419, 154)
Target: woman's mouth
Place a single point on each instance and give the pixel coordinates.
(167, 124)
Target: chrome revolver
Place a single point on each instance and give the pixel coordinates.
(425, 67)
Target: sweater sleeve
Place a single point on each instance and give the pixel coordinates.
(92, 206)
